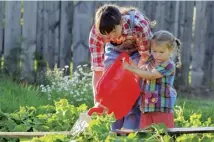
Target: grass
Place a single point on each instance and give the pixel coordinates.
(193, 104)
(13, 95)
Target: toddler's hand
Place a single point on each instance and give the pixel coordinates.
(144, 53)
(125, 65)
(144, 57)
(132, 63)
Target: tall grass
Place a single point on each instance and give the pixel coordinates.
(193, 104)
(13, 95)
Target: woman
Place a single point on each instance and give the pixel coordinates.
(121, 31)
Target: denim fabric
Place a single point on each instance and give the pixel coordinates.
(132, 119)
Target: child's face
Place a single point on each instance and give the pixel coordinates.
(160, 52)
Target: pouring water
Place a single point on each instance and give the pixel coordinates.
(81, 124)
(85, 118)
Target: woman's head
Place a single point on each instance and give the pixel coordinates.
(108, 20)
(163, 43)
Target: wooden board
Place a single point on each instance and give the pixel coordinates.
(173, 131)
(32, 134)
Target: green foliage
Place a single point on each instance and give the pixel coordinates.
(59, 117)
(49, 109)
(51, 138)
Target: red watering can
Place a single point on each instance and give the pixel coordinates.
(117, 90)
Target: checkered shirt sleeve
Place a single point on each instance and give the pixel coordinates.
(96, 47)
(143, 31)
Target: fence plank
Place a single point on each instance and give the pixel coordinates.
(53, 33)
(176, 18)
(159, 16)
(41, 65)
(40, 36)
(212, 45)
(83, 18)
(47, 52)
(185, 30)
(66, 23)
(1, 28)
(149, 8)
(169, 12)
(12, 37)
(198, 52)
(50, 24)
(209, 43)
(29, 42)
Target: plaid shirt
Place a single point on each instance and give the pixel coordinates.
(159, 95)
(141, 33)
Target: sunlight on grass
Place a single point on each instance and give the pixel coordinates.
(15, 95)
(196, 105)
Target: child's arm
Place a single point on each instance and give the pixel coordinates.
(142, 73)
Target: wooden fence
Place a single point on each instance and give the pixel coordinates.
(37, 33)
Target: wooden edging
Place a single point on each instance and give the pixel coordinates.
(191, 130)
(32, 134)
(171, 131)
(174, 131)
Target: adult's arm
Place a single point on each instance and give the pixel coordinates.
(96, 47)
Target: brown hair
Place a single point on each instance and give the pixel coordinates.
(109, 15)
(172, 42)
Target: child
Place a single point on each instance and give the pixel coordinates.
(158, 75)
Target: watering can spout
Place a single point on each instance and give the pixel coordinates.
(98, 110)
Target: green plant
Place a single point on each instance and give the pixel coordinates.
(51, 138)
